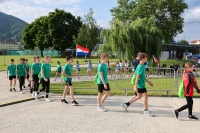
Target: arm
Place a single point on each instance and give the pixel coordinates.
(193, 82)
(16, 72)
(7, 73)
(136, 83)
(64, 74)
(102, 79)
(148, 82)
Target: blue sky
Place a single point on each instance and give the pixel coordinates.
(29, 10)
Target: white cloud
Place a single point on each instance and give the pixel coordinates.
(192, 15)
(29, 12)
(55, 2)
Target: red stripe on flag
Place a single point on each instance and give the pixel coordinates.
(82, 48)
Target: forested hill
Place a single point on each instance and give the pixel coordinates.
(11, 27)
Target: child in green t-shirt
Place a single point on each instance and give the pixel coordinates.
(45, 79)
(58, 70)
(139, 87)
(102, 82)
(12, 74)
(67, 76)
(21, 73)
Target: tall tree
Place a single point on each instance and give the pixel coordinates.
(140, 35)
(63, 26)
(88, 35)
(43, 39)
(29, 36)
(167, 14)
(183, 41)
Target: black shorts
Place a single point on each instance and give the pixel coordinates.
(27, 76)
(142, 90)
(68, 83)
(58, 71)
(12, 77)
(109, 69)
(147, 69)
(101, 88)
(35, 78)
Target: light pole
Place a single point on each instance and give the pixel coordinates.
(4, 53)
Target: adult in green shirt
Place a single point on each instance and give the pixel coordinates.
(35, 70)
(58, 70)
(102, 82)
(21, 73)
(12, 74)
(139, 86)
(45, 79)
(67, 76)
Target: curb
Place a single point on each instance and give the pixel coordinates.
(18, 101)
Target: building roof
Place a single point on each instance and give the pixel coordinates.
(195, 42)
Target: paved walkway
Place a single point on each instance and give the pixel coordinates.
(38, 116)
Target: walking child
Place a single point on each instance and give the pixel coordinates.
(189, 82)
(45, 77)
(67, 74)
(12, 75)
(30, 76)
(21, 74)
(35, 70)
(102, 82)
(58, 70)
(77, 69)
(27, 70)
(140, 87)
(89, 70)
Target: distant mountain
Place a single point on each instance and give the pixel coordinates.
(11, 28)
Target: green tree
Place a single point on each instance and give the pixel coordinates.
(88, 35)
(140, 35)
(167, 14)
(29, 36)
(63, 26)
(43, 39)
(183, 41)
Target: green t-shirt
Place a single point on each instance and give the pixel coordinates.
(59, 68)
(21, 70)
(36, 67)
(104, 69)
(47, 69)
(12, 70)
(141, 71)
(68, 70)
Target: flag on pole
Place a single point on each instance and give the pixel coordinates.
(81, 51)
(155, 60)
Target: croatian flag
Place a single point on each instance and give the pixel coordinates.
(81, 51)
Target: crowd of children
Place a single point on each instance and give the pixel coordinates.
(37, 73)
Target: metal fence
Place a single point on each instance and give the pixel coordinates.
(164, 79)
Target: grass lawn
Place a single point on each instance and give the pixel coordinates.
(53, 60)
(161, 85)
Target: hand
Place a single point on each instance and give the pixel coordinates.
(45, 79)
(150, 84)
(7, 76)
(70, 77)
(135, 89)
(105, 86)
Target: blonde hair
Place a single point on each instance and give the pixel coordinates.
(188, 65)
(46, 57)
(104, 55)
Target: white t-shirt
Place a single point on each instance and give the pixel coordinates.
(126, 64)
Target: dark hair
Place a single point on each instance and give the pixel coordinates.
(21, 59)
(68, 57)
(26, 59)
(142, 56)
(58, 62)
(11, 59)
(37, 57)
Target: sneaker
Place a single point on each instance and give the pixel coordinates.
(33, 94)
(31, 90)
(175, 114)
(29, 85)
(14, 89)
(10, 90)
(102, 106)
(36, 96)
(99, 108)
(148, 113)
(47, 100)
(74, 103)
(192, 117)
(124, 106)
(63, 100)
(21, 92)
